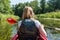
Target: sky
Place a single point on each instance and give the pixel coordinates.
(13, 2)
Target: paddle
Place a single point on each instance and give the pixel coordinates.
(11, 20)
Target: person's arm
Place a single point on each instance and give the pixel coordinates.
(42, 31)
(19, 24)
(17, 28)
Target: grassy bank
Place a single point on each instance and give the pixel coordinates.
(50, 22)
(50, 19)
(49, 15)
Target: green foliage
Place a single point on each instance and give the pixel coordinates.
(43, 5)
(39, 6)
(5, 7)
(50, 22)
(50, 15)
(51, 19)
(35, 5)
(5, 27)
(53, 5)
(19, 9)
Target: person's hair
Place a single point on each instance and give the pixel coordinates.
(27, 12)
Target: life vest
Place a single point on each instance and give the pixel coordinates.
(28, 31)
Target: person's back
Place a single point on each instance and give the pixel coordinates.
(28, 30)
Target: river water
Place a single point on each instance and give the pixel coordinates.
(51, 34)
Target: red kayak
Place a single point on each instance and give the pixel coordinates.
(41, 36)
(15, 37)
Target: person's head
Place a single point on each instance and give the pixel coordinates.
(27, 12)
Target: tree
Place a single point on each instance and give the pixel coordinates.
(54, 5)
(5, 6)
(58, 4)
(19, 9)
(35, 5)
(42, 5)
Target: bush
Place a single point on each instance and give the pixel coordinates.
(50, 22)
(5, 27)
(50, 15)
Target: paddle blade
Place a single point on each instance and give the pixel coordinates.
(11, 20)
(0, 20)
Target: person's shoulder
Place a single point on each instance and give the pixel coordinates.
(19, 21)
(37, 23)
(35, 20)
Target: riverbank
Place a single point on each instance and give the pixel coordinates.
(55, 28)
(49, 15)
(52, 18)
(52, 22)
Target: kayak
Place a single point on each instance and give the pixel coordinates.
(40, 38)
(15, 37)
